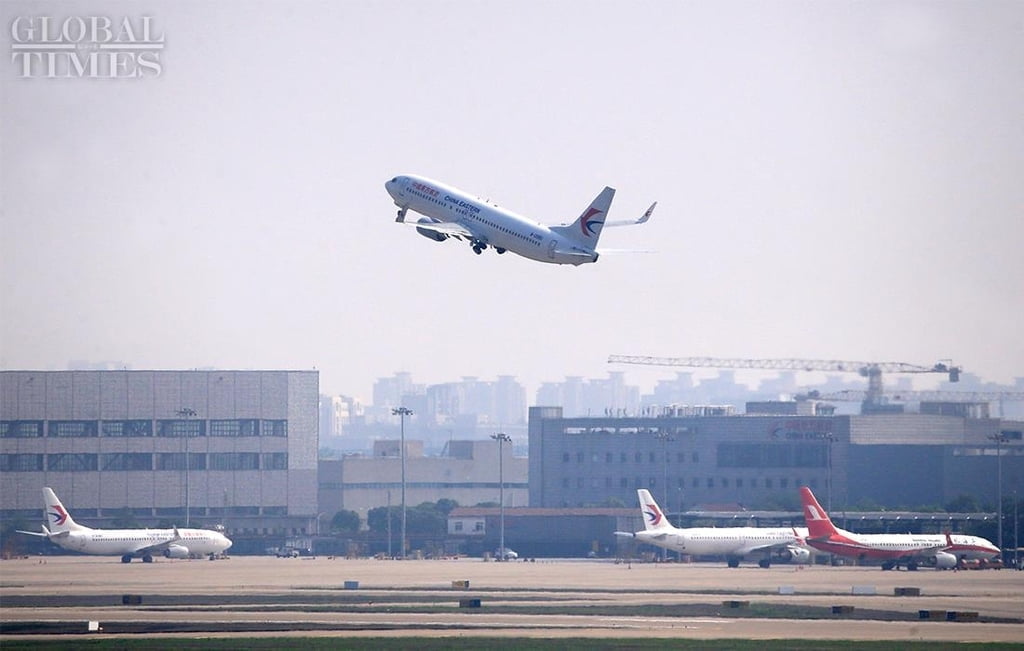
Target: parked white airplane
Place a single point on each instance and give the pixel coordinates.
(776, 544)
(126, 543)
(450, 212)
(941, 551)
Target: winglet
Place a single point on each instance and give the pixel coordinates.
(647, 215)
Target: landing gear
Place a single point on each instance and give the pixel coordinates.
(401, 215)
(478, 247)
(888, 565)
(911, 566)
(147, 559)
(127, 558)
(499, 250)
(733, 562)
(765, 563)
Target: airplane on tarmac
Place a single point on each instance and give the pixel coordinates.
(450, 212)
(941, 551)
(776, 544)
(126, 543)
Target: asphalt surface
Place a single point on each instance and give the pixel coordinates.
(255, 596)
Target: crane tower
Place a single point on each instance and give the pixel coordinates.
(874, 398)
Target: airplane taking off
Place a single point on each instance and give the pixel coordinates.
(941, 551)
(126, 543)
(450, 212)
(778, 544)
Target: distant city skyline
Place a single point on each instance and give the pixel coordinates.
(835, 180)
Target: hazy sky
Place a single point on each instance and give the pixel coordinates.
(836, 180)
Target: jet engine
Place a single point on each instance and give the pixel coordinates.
(941, 561)
(426, 232)
(792, 555)
(176, 551)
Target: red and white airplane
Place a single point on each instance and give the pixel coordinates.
(941, 551)
(450, 212)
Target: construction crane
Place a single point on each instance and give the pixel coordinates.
(874, 397)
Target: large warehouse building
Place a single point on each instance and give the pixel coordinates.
(107, 441)
(707, 457)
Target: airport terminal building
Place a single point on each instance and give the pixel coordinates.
(232, 448)
(710, 458)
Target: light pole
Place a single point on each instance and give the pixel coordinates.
(829, 438)
(501, 438)
(999, 439)
(664, 437)
(402, 412)
(188, 414)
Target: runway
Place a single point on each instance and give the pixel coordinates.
(256, 596)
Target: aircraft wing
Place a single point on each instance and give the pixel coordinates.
(160, 546)
(452, 229)
(766, 548)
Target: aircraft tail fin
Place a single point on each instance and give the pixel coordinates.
(654, 519)
(586, 230)
(819, 525)
(57, 516)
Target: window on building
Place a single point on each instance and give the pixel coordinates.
(784, 483)
(565, 457)
(608, 457)
(652, 482)
(565, 482)
(711, 482)
(274, 428)
(623, 482)
(724, 482)
(768, 483)
(274, 461)
(651, 457)
(21, 429)
(579, 482)
(126, 461)
(478, 525)
(118, 428)
(638, 457)
(694, 458)
(694, 483)
(72, 462)
(607, 482)
(680, 457)
(739, 482)
(622, 457)
(21, 462)
(187, 428)
(234, 461)
(72, 428)
(458, 526)
(579, 457)
(814, 482)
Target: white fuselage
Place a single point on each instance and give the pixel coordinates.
(725, 541)
(895, 545)
(491, 225)
(118, 542)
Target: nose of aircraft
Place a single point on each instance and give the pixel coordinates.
(392, 187)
